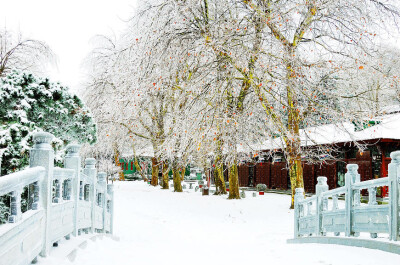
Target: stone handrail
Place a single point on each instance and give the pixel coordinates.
(20, 179)
(352, 217)
(63, 173)
(64, 203)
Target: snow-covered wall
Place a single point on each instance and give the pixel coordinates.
(65, 202)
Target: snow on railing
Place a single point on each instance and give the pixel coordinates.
(64, 202)
(317, 215)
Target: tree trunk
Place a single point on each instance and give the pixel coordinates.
(182, 173)
(154, 171)
(139, 169)
(233, 181)
(176, 174)
(220, 187)
(208, 177)
(117, 163)
(165, 170)
(296, 175)
(293, 142)
(219, 179)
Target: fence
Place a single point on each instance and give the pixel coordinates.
(64, 201)
(317, 216)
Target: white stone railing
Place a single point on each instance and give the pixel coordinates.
(65, 201)
(317, 216)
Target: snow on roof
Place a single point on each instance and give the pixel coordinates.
(386, 127)
(143, 152)
(390, 109)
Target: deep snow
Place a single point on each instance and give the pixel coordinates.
(162, 227)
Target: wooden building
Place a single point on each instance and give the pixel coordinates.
(381, 138)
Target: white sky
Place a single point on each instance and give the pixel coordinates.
(67, 26)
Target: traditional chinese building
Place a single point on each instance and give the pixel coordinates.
(380, 137)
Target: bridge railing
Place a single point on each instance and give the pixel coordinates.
(64, 202)
(318, 216)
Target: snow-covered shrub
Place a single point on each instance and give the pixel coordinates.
(261, 187)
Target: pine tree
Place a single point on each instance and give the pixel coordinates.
(29, 104)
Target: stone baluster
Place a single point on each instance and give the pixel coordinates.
(15, 207)
(394, 181)
(309, 206)
(335, 202)
(67, 189)
(372, 201)
(42, 154)
(335, 206)
(91, 171)
(103, 202)
(298, 210)
(351, 177)
(58, 192)
(35, 203)
(73, 161)
(372, 196)
(81, 186)
(322, 203)
(110, 190)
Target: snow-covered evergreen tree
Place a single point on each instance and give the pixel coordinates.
(28, 104)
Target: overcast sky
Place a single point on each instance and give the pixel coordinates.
(67, 26)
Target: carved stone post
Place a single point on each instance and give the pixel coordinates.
(81, 186)
(35, 203)
(91, 171)
(42, 154)
(394, 180)
(372, 201)
(351, 177)
(297, 198)
(335, 206)
(110, 190)
(58, 196)
(15, 207)
(103, 203)
(321, 187)
(73, 161)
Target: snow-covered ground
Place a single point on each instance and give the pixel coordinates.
(162, 227)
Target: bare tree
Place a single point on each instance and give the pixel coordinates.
(23, 53)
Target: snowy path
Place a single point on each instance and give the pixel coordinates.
(161, 227)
